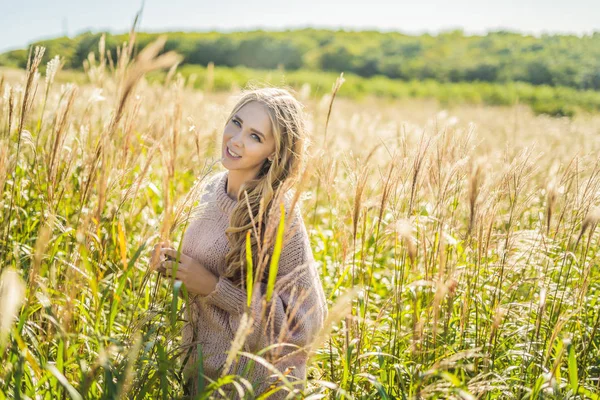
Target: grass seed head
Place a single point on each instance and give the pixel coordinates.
(12, 293)
(51, 69)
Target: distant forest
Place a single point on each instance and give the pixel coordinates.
(553, 60)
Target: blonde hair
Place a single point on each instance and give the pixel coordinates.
(289, 130)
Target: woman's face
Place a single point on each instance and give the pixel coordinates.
(248, 135)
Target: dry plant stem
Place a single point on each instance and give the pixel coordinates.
(337, 85)
(28, 97)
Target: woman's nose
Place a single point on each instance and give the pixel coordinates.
(237, 139)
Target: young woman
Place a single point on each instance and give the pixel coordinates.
(263, 149)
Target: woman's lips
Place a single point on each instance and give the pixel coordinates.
(231, 155)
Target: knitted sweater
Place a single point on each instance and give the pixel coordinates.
(295, 314)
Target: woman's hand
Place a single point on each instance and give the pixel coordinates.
(195, 276)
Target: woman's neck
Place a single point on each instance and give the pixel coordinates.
(235, 180)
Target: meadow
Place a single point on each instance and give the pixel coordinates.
(458, 247)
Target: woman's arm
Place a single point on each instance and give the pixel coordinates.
(298, 308)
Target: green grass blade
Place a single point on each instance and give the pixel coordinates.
(573, 379)
(173, 314)
(273, 267)
(249, 268)
(63, 381)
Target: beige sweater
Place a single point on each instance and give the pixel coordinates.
(296, 313)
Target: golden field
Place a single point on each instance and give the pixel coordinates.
(458, 248)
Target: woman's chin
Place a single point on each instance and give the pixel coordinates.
(229, 164)
(226, 162)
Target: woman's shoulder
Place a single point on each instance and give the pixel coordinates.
(295, 230)
(207, 194)
(214, 179)
(293, 208)
(211, 186)
(296, 258)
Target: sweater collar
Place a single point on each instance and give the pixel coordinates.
(226, 203)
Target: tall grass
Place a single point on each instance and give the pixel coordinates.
(459, 253)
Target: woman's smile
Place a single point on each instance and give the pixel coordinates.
(231, 153)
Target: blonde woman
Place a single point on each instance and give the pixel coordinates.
(263, 152)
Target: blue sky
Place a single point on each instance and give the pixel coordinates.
(22, 22)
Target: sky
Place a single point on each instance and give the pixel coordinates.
(24, 21)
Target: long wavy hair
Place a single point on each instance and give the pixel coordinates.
(288, 124)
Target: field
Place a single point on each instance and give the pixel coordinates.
(458, 248)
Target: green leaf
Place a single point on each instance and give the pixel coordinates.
(373, 380)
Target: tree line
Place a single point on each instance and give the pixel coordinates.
(553, 60)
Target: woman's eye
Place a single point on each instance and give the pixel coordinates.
(254, 135)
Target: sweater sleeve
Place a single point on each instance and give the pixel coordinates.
(298, 307)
